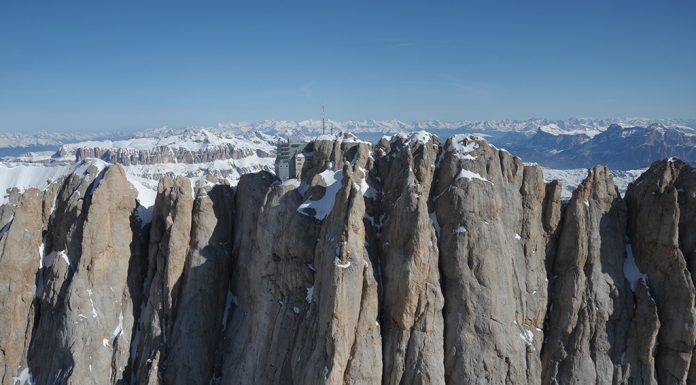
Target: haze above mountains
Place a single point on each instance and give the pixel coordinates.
(588, 126)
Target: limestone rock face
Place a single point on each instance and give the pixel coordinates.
(642, 338)
(197, 328)
(306, 296)
(87, 283)
(413, 262)
(412, 324)
(20, 248)
(661, 229)
(163, 154)
(344, 309)
(170, 233)
(591, 301)
(262, 298)
(7, 209)
(493, 247)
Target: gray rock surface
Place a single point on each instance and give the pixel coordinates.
(591, 301)
(657, 230)
(20, 242)
(204, 284)
(410, 263)
(301, 277)
(170, 233)
(164, 154)
(493, 247)
(85, 311)
(412, 324)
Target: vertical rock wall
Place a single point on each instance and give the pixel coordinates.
(591, 302)
(493, 247)
(660, 227)
(412, 322)
(414, 262)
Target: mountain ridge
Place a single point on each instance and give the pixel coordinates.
(393, 126)
(461, 264)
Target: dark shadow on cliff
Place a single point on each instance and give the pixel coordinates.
(197, 314)
(65, 222)
(612, 264)
(137, 271)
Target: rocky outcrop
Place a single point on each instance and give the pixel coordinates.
(165, 154)
(660, 227)
(641, 339)
(301, 272)
(204, 289)
(412, 324)
(187, 282)
(170, 233)
(591, 301)
(88, 283)
(493, 247)
(411, 263)
(20, 249)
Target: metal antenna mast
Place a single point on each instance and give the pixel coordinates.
(323, 120)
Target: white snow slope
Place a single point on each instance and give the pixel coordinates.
(571, 178)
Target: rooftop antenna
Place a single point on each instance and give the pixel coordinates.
(323, 121)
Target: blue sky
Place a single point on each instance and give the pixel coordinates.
(127, 65)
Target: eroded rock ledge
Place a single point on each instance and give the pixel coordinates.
(413, 262)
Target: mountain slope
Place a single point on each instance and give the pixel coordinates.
(434, 263)
(560, 144)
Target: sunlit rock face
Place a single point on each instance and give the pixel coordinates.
(411, 261)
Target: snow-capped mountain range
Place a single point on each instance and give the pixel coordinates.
(314, 127)
(565, 148)
(47, 139)
(588, 126)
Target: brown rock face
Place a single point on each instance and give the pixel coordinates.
(344, 312)
(20, 249)
(85, 312)
(412, 324)
(413, 263)
(258, 303)
(642, 338)
(591, 301)
(162, 154)
(170, 233)
(189, 259)
(493, 244)
(301, 273)
(660, 222)
(204, 284)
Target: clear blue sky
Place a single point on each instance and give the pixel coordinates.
(128, 65)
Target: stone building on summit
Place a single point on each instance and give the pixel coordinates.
(290, 158)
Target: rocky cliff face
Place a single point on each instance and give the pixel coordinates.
(164, 154)
(661, 229)
(162, 146)
(591, 301)
(79, 237)
(416, 262)
(493, 247)
(412, 320)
